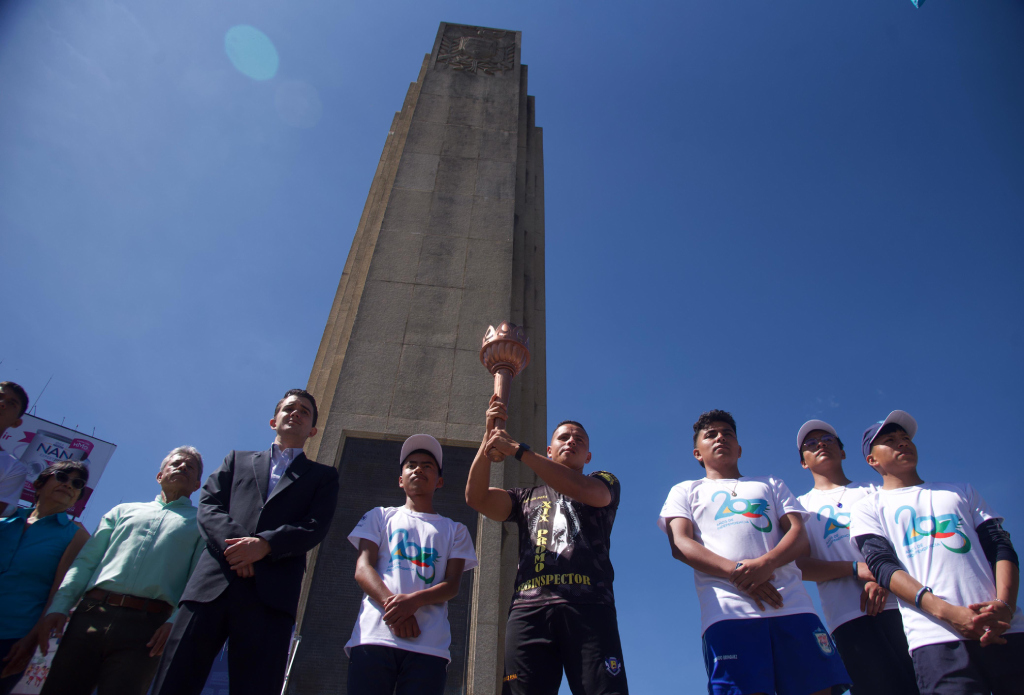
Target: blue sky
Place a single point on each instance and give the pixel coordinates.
(786, 209)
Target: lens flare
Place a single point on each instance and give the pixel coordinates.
(251, 52)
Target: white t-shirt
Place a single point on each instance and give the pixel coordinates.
(932, 528)
(414, 553)
(12, 480)
(737, 528)
(828, 529)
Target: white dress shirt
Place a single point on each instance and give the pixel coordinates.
(279, 462)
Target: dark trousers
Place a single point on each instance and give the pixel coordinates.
(967, 668)
(104, 647)
(257, 651)
(7, 684)
(378, 670)
(582, 639)
(876, 655)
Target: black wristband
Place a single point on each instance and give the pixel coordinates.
(523, 448)
(920, 595)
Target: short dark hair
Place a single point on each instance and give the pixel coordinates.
(301, 393)
(19, 392)
(800, 451)
(707, 418)
(571, 422)
(66, 466)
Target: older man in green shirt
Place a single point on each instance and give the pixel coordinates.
(129, 577)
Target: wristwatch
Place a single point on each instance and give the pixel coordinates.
(523, 448)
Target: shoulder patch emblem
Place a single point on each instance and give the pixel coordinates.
(607, 477)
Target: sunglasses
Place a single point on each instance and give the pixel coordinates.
(825, 439)
(63, 477)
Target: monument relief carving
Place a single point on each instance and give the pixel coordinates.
(477, 50)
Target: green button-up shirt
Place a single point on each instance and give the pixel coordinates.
(144, 549)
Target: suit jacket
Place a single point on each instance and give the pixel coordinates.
(293, 520)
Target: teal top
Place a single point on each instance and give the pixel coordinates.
(29, 555)
(143, 549)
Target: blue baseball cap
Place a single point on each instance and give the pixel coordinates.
(899, 417)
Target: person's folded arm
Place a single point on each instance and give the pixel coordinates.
(290, 540)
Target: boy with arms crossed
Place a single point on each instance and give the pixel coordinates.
(563, 608)
(741, 536)
(863, 618)
(935, 545)
(410, 565)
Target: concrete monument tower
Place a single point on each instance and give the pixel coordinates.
(451, 241)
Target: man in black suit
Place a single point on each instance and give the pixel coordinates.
(259, 513)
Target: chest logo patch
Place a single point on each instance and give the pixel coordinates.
(422, 561)
(738, 508)
(923, 531)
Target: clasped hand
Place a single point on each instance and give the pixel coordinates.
(499, 443)
(399, 615)
(242, 553)
(989, 621)
(753, 577)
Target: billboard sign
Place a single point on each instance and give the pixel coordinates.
(38, 443)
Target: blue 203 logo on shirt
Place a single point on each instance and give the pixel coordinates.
(922, 528)
(835, 524)
(419, 558)
(752, 510)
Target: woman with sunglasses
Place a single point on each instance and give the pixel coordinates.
(37, 546)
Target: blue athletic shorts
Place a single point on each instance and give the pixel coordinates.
(787, 655)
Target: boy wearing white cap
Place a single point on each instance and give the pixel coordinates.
(863, 618)
(410, 565)
(935, 545)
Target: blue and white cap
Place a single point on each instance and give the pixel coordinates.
(900, 417)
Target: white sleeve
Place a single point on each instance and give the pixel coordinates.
(784, 499)
(980, 511)
(462, 547)
(676, 506)
(12, 480)
(368, 527)
(864, 518)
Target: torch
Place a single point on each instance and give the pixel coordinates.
(505, 353)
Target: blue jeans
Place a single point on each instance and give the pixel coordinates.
(378, 670)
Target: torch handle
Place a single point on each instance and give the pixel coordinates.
(502, 385)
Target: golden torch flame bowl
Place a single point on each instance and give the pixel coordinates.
(505, 347)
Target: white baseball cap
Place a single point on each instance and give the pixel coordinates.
(809, 427)
(425, 442)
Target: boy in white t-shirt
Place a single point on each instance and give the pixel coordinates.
(862, 616)
(13, 404)
(741, 536)
(410, 564)
(935, 545)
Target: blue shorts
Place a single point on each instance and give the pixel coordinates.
(787, 655)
